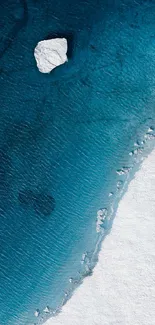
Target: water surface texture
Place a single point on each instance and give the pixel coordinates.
(64, 135)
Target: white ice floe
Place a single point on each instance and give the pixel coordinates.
(121, 290)
(49, 54)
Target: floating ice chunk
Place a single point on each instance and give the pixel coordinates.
(150, 129)
(137, 151)
(123, 171)
(37, 313)
(149, 136)
(49, 54)
(70, 280)
(111, 194)
(140, 150)
(101, 215)
(98, 228)
(83, 258)
(119, 184)
(47, 309)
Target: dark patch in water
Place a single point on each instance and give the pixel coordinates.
(92, 47)
(44, 204)
(26, 197)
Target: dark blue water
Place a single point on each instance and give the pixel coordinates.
(63, 135)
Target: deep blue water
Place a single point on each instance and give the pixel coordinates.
(63, 135)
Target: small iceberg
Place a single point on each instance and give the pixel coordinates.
(51, 53)
(150, 129)
(119, 185)
(47, 309)
(37, 313)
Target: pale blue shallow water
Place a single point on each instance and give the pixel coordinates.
(63, 135)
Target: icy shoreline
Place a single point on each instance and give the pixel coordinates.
(117, 292)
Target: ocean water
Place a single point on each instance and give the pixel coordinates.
(63, 136)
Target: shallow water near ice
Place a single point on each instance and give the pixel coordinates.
(63, 136)
(125, 260)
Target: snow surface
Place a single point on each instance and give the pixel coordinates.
(121, 290)
(49, 54)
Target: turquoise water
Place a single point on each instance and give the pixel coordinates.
(63, 136)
